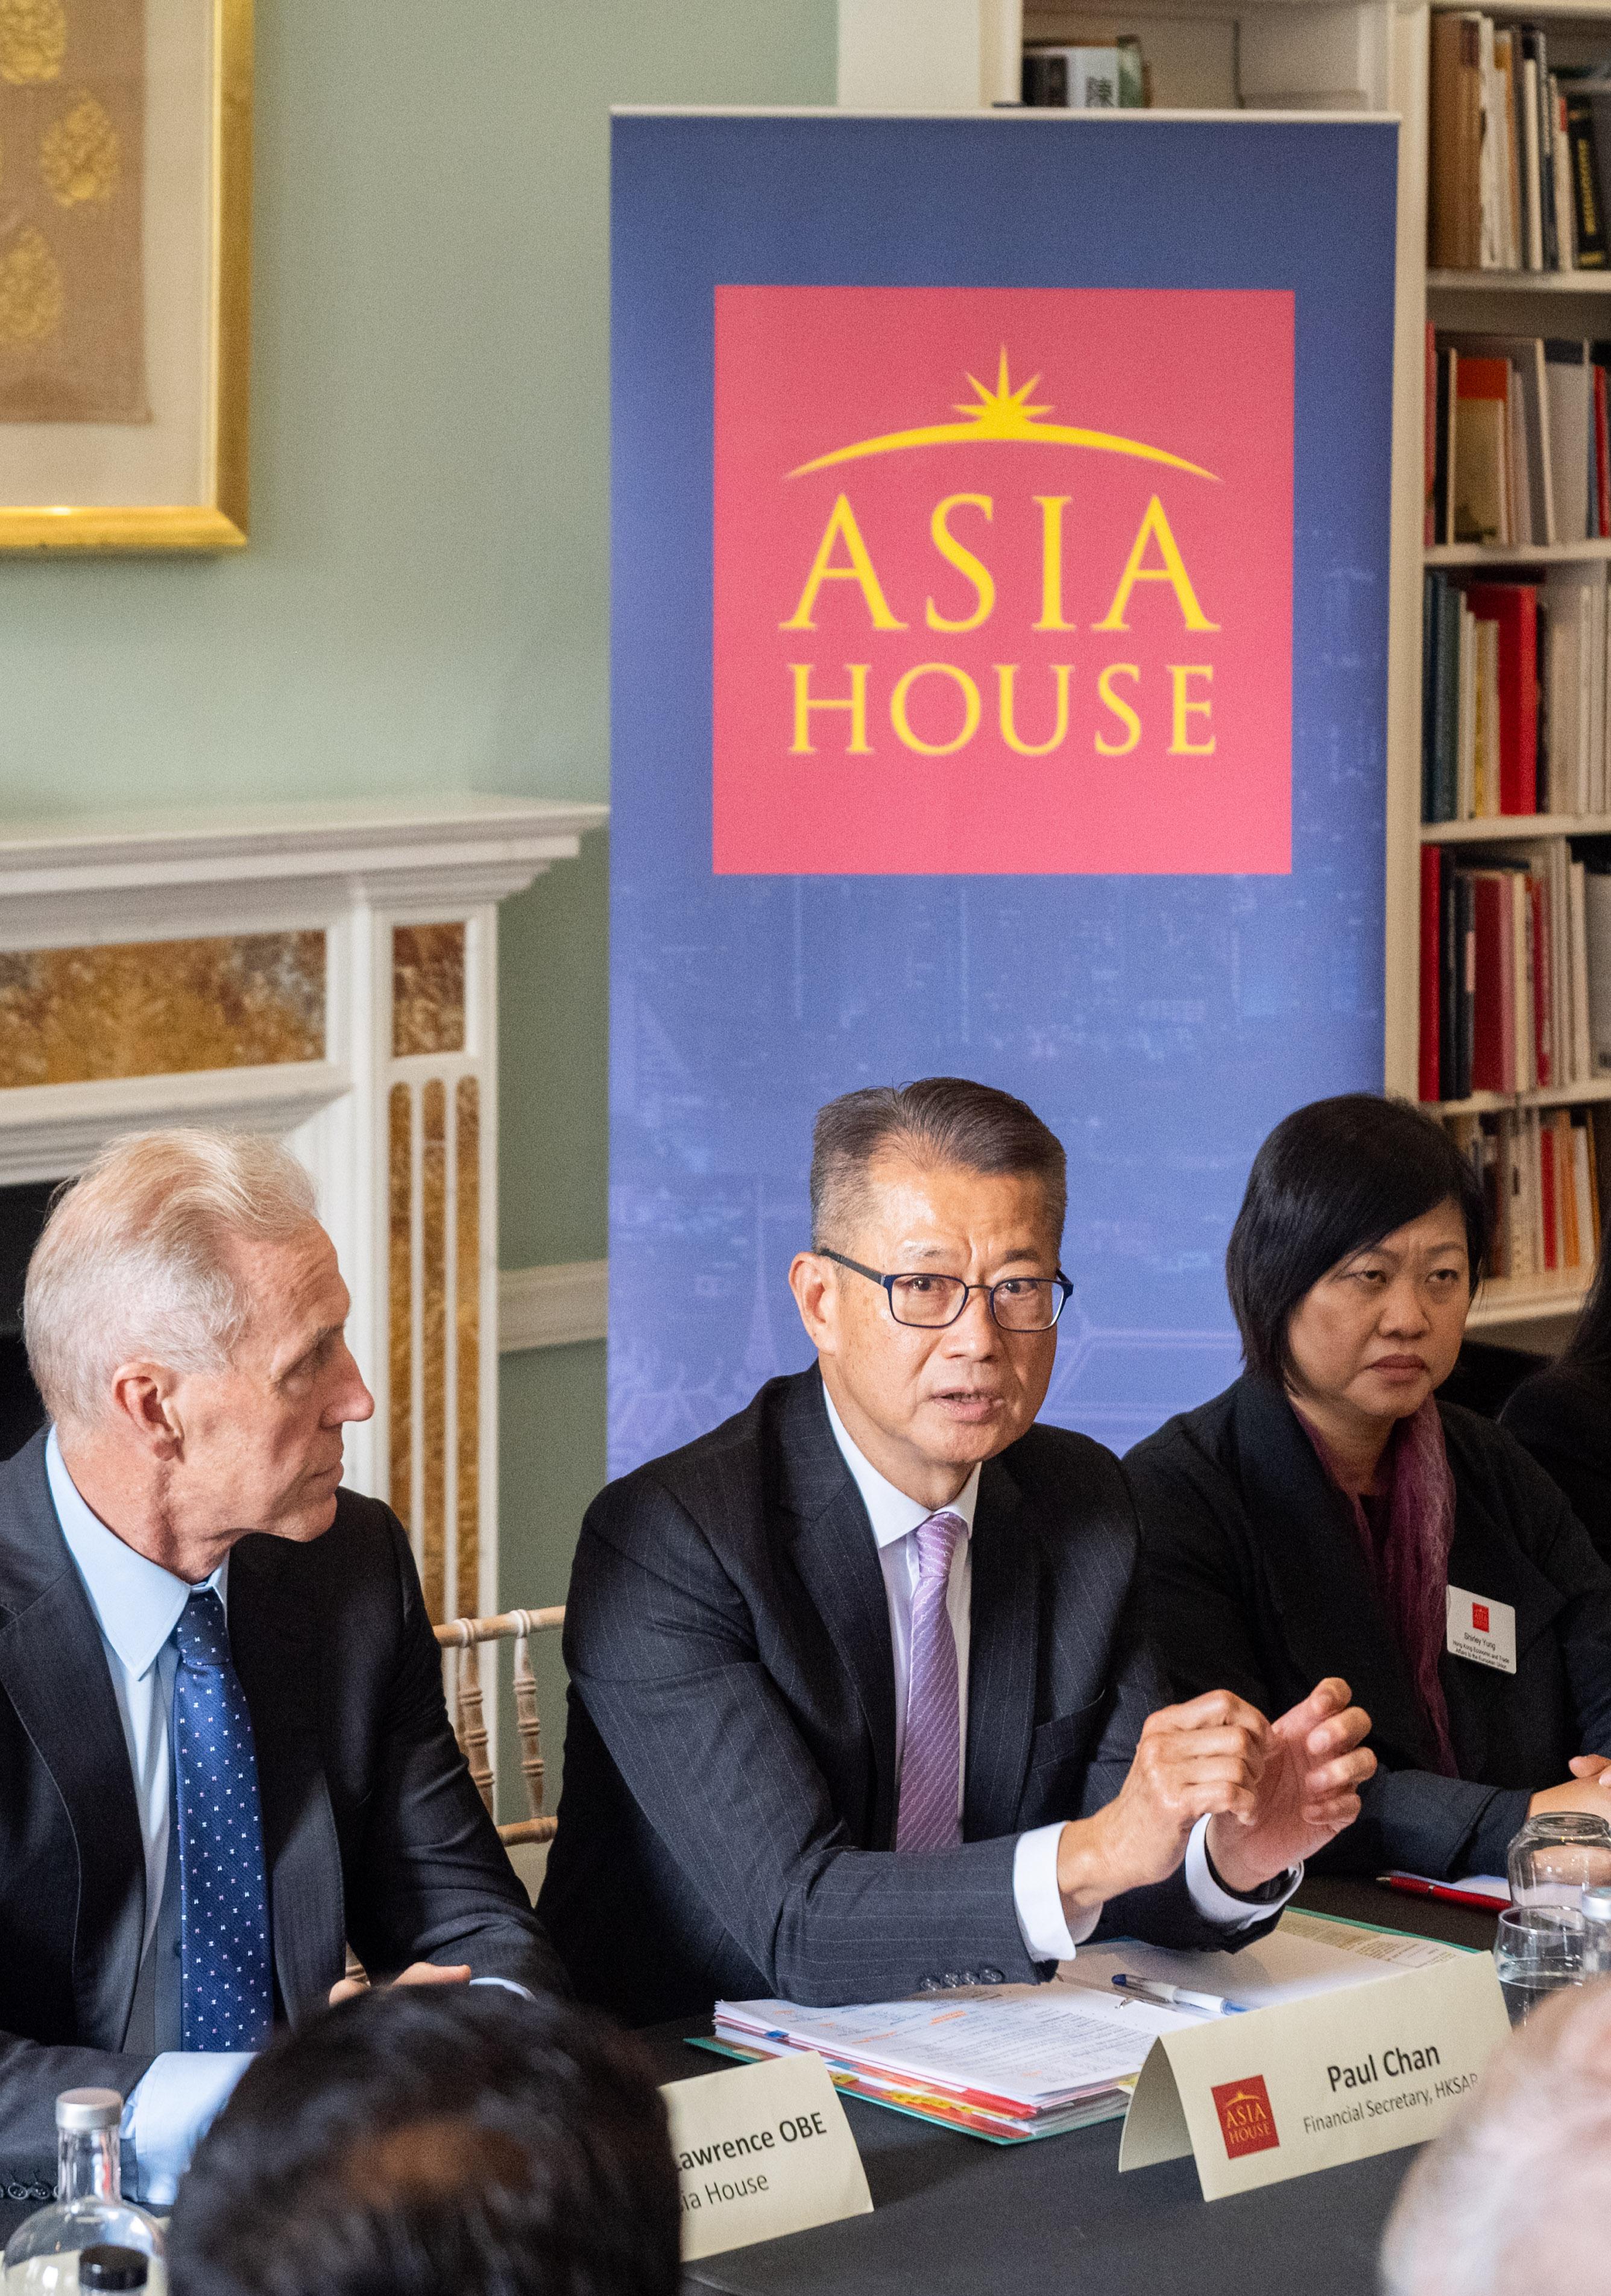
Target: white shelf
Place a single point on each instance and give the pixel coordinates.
(1553, 1096)
(1521, 283)
(1516, 554)
(1579, 12)
(1508, 827)
(1516, 1298)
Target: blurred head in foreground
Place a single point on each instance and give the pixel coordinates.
(1515, 2195)
(421, 2140)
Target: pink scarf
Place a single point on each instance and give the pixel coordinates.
(1407, 1533)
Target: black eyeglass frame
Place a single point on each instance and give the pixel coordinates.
(1019, 1331)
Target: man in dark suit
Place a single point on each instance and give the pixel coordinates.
(858, 1700)
(224, 1748)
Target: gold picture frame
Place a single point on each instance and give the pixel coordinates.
(216, 202)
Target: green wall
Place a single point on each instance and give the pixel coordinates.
(423, 604)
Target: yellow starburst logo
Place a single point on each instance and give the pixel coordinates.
(1002, 416)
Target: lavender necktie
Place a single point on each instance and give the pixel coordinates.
(930, 1761)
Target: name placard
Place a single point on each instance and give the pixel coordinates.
(762, 2150)
(1260, 2098)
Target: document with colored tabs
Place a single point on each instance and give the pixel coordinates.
(1009, 2063)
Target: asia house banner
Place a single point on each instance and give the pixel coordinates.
(1000, 535)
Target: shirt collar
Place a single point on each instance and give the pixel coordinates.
(135, 1602)
(892, 1513)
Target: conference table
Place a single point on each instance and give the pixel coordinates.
(953, 2216)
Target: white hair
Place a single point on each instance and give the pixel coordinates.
(132, 1262)
(1516, 2193)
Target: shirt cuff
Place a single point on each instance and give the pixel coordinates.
(169, 2110)
(1038, 1902)
(1221, 1906)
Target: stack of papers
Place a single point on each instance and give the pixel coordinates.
(1013, 2062)
(1018, 2062)
(1305, 1954)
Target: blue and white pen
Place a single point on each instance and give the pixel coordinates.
(1178, 1997)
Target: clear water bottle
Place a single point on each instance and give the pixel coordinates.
(90, 2236)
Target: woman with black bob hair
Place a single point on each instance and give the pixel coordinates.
(1563, 1416)
(1326, 1516)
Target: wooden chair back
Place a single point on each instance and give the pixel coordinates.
(460, 1640)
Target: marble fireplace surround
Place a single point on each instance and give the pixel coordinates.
(328, 975)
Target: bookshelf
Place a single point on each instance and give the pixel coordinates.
(1533, 1311)
(1515, 828)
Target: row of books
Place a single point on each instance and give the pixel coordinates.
(1515, 970)
(1540, 1174)
(1516, 439)
(1085, 79)
(1515, 679)
(1520, 152)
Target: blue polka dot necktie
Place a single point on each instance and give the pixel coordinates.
(226, 1976)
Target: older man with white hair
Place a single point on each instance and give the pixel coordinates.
(224, 1748)
(1514, 2199)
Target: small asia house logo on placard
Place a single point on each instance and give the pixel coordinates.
(1479, 1617)
(1002, 581)
(1247, 2122)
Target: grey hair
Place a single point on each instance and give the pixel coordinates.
(949, 1121)
(132, 1262)
(1516, 2193)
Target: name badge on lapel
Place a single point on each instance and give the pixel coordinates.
(1482, 1629)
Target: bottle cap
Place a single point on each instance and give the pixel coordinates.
(112, 2267)
(79, 2109)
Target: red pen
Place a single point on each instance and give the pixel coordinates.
(1449, 1893)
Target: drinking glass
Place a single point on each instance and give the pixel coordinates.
(1538, 1950)
(1556, 1857)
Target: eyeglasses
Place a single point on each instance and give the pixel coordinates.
(1018, 1303)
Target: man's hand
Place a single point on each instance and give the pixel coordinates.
(418, 1972)
(1275, 1792)
(1202, 1760)
(1308, 1789)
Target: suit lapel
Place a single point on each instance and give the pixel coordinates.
(53, 1669)
(1003, 1640)
(275, 1656)
(1319, 1574)
(837, 1558)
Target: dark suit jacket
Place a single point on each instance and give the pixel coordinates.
(729, 1796)
(373, 1829)
(1257, 1582)
(1562, 1416)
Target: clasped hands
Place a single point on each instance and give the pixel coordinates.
(1274, 1792)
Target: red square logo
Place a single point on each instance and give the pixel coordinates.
(1479, 1617)
(1003, 580)
(1247, 2122)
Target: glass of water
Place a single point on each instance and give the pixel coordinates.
(1538, 1950)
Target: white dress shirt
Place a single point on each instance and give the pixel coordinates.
(137, 1606)
(1037, 1901)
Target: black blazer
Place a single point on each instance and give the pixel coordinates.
(1562, 1416)
(729, 1808)
(373, 1829)
(1257, 1582)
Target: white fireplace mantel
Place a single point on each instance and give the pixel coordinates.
(400, 1132)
